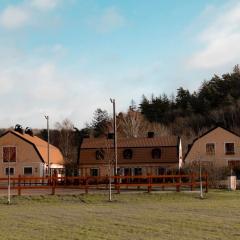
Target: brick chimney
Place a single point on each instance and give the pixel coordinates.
(150, 134)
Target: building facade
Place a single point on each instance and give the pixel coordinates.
(135, 156)
(218, 146)
(27, 155)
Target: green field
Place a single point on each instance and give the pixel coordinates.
(129, 216)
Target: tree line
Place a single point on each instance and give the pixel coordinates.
(217, 101)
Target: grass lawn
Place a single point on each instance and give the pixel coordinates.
(130, 216)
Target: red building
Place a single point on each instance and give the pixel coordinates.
(135, 156)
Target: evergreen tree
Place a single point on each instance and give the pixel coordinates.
(100, 122)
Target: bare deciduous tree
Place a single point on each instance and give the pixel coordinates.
(133, 124)
(130, 123)
(67, 140)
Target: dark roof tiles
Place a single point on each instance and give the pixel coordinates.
(130, 142)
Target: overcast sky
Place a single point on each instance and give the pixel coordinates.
(66, 58)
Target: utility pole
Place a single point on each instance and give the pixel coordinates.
(110, 180)
(79, 137)
(200, 176)
(115, 135)
(48, 169)
(9, 181)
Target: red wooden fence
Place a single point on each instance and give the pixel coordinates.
(148, 182)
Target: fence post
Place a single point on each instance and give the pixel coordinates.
(193, 182)
(118, 184)
(65, 180)
(19, 185)
(206, 189)
(149, 183)
(43, 180)
(178, 183)
(163, 182)
(107, 182)
(53, 180)
(86, 185)
(139, 182)
(190, 179)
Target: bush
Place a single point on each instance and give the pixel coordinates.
(215, 173)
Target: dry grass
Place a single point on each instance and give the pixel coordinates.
(130, 216)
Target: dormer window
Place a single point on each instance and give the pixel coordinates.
(127, 154)
(100, 154)
(156, 153)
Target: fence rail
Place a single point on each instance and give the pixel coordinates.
(148, 182)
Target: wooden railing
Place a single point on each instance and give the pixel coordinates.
(148, 182)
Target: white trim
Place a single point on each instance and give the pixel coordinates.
(55, 165)
(232, 158)
(234, 144)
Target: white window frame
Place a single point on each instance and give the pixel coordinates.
(28, 174)
(2, 153)
(233, 146)
(5, 171)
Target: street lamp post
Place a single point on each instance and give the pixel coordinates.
(115, 134)
(48, 169)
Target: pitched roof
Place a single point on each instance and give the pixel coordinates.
(212, 129)
(40, 146)
(130, 142)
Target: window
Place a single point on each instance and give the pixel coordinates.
(127, 171)
(100, 154)
(94, 172)
(137, 171)
(210, 149)
(161, 171)
(120, 171)
(156, 153)
(229, 148)
(11, 171)
(27, 171)
(127, 154)
(9, 154)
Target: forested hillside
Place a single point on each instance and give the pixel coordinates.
(217, 101)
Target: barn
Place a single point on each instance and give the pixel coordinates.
(22, 153)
